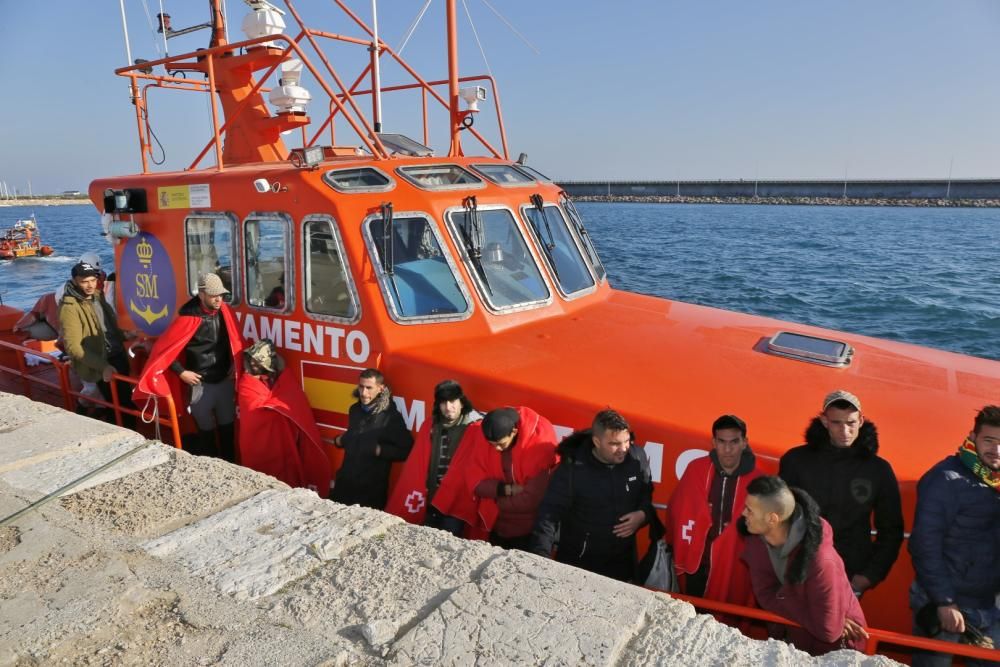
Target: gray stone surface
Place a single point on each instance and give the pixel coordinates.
(192, 561)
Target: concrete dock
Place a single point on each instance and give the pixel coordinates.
(171, 559)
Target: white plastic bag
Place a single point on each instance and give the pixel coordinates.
(662, 575)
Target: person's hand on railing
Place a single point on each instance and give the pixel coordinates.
(853, 631)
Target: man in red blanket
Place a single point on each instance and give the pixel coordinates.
(498, 479)
(703, 512)
(428, 462)
(278, 434)
(200, 353)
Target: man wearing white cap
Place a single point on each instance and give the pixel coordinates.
(840, 468)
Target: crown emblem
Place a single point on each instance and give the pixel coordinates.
(144, 251)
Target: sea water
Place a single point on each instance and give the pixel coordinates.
(921, 275)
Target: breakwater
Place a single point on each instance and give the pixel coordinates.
(984, 193)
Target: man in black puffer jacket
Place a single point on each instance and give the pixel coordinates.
(598, 497)
(840, 468)
(376, 436)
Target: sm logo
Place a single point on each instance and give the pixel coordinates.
(147, 283)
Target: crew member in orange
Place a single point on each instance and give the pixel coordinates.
(498, 479)
(438, 441)
(201, 350)
(278, 434)
(702, 517)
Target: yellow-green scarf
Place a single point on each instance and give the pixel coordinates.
(967, 453)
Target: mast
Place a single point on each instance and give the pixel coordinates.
(456, 119)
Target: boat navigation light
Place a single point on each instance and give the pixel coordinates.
(473, 96)
(261, 185)
(522, 159)
(265, 19)
(289, 96)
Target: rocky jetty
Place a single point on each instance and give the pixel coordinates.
(794, 201)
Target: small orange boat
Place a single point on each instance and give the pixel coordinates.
(22, 240)
(365, 248)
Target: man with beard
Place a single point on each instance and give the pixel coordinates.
(702, 516)
(201, 349)
(436, 445)
(278, 434)
(92, 338)
(840, 469)
(599, 496)
(376, 436)
(955, 544)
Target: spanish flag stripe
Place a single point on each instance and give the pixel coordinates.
(328, 395)
(332, 419)
(330, 372)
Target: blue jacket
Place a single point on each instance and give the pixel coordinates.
(955, 543)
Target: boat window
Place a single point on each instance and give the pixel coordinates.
(498, 257)
(559, 249)
(534, 173)
(440, 177)
(504, 174)
(581, 233)
(418, 280)
(266, 246)
(362, 179)
(209, 244)
(328, 287)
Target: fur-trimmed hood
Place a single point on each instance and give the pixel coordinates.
(865, 446)
(381, 402)
(806, 510)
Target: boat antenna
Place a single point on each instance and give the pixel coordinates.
(455, 150)
(128, 47)
(376, 52)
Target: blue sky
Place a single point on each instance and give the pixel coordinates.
(628, 89)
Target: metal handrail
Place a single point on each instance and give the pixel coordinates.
(875, 635)
(71, 395)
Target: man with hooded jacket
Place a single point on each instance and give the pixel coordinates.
(840, 469)
(598, 497)
(376, 436)
(795, 571)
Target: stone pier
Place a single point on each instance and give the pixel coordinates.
(171, 559)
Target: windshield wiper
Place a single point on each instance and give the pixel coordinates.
(536, 201)
(588, 243)
(474, 236)
(388, 249)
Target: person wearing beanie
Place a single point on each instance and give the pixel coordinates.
(498, 479)
(435, 447)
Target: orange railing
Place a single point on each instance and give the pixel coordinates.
(342, 103)
(70, 396)
(875, 635)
